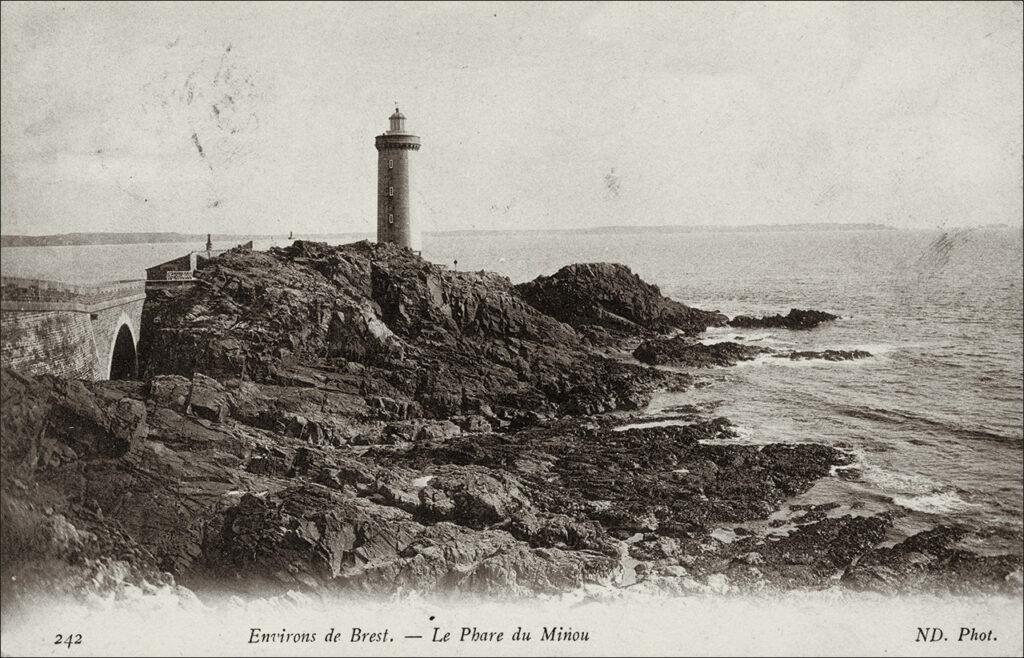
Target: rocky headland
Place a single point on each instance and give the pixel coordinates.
(355, 418)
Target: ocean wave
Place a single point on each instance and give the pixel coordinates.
(713, 337)
(643, 424)
(719, 338)
(782, 359)
(743, 437)
(944, 502)
(834, 470)
(905, 484)
(903, 417)
(916, 492)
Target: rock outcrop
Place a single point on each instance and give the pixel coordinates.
(685, 352)
(795, 319)
(214, 497)
(931, 560)
(688, 353)
(613, 298)
(411, 338)
(825, 355)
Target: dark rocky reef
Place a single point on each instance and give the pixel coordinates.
(825, 355)
(687, 353)
(932, 560)
(795, 319)
(319, 418)
(611, 298)
(198, 489)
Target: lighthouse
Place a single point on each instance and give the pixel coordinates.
(394, 216)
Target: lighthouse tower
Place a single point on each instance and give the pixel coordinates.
(394, 217)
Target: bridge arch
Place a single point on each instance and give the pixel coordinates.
(123, 362)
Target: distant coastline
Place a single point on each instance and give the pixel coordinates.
(114, 238)
(108, 238)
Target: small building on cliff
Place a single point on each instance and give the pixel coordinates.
(181, 270)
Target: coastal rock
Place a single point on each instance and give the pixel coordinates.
(48, 420)
(379, 322)
(475, 497)
(796, 319)
(170, 390)
(825, 355)
(818, 551)
(932, 561)
(437, 431)
(127, 418)
(629, 481)
(685, 352)
(357, 334)
(207, 398)
(613, 298)
(250, 507)
(450, 557)
(322, 418)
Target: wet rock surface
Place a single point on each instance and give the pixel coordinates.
(687, 353)
(684, 352)
(933, 560)
(795, 319)
(825, 355)
(319, 418)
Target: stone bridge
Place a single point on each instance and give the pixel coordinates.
(75, 331)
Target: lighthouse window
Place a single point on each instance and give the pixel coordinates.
(391, 164)
(391, 219)
(391, 191)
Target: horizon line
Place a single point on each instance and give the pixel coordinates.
(617, 228)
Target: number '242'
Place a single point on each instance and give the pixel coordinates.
(69, 639)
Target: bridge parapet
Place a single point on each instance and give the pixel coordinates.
(20, 294)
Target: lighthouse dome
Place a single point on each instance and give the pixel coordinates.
(397, 122)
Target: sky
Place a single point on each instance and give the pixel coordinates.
(260, 118)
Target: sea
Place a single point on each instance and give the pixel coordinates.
(934, 419)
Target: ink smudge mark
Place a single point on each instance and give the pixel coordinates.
(612, 183)
(928, 269)
(216, 95)
(199, 147)
(939, 252)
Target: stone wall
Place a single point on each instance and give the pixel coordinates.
(186, 263)
(63, 329)
(49, 342)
